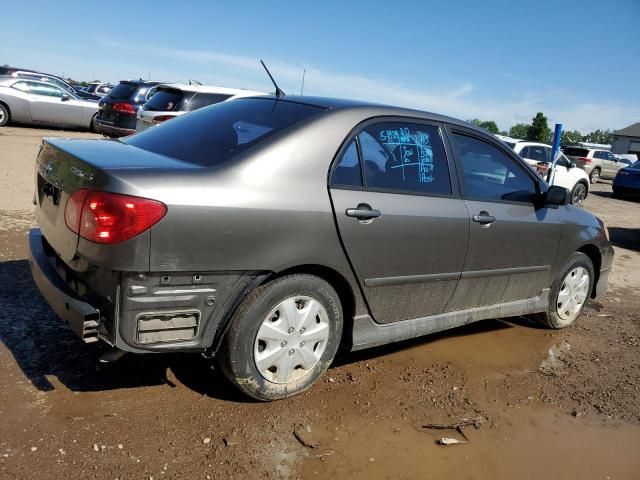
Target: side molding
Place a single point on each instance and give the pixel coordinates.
(367, 333)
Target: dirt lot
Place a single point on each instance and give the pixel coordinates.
(554, 404)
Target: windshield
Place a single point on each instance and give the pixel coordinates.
(212, 135)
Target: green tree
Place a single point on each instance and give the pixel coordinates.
(488, 125)
(571, 137)
(599, 136)
(519, 130)
(539, 130)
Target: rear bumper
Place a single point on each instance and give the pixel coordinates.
(107, 128)
(83, 318)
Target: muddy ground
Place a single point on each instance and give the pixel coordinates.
(547, 404)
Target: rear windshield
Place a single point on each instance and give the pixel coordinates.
(166, 100)
(213, 135)
(123, 90)
(203, 100)
(576, 152)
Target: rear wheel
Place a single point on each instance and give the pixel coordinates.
(578, 194)
(594, 176)
(570, 293)
(4, 115)
(283, 337)
(92, 125)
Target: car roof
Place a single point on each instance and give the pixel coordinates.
(373, 109)
(210, 89)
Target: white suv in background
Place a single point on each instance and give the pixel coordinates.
(170, 100)
(567, 175)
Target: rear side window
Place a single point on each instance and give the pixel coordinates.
(167, 100)
(347, 172)
(405, 157)
(575, 151)
(200, 100)
(490, 174)
(122, 91)
(211, 136)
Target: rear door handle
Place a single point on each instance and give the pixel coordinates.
(363, 212)
(484, 218)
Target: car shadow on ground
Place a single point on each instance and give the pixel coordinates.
(628, 238)
(44, 347)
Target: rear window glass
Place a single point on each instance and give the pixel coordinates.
(576, 152)
(166, 100)
(200, 100)
(213, 135)
(123, 90)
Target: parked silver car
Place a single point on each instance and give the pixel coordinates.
(43, 103)
(267, 231)
(596, 162)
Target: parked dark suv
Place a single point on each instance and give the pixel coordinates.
(117, 114)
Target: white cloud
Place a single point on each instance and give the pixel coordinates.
(462, 100)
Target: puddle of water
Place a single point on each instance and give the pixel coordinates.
(490, 349)
(525, 443)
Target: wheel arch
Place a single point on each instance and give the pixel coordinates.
(595, 256)
(337, 281)
(6, 105)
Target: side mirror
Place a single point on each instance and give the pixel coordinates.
(556, 196)
(573, 165)
(65, 98)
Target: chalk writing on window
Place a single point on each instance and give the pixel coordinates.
(410, 152)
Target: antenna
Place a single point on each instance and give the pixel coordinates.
(279, 93)
(302, 87)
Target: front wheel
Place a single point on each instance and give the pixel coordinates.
(578, 194)
(283, 337)
(4, 115)
(570, 293)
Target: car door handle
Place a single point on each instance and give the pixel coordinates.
(363, 212)
(484, 218)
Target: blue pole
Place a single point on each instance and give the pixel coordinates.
(557, 135)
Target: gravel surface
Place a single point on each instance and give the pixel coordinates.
(554, 404)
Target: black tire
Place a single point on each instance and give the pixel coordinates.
(4, 115)
(551, 318)
(92, 125)
(594, 176)
(579, 193)
(236, 357)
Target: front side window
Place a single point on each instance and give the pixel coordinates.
(490, 174)
(44, 89)
(407, 157)
(347, 172)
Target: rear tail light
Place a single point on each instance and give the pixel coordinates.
(108, 218)
(124, 107)
(162, 118)
(584, 160)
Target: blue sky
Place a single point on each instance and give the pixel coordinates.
(576, 61)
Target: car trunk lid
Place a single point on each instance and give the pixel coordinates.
(64, 166)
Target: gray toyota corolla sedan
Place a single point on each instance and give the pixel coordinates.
(266, 232)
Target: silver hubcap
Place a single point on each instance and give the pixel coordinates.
(573, 293)
(291, 339)
(594, 176)
(1, 115)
